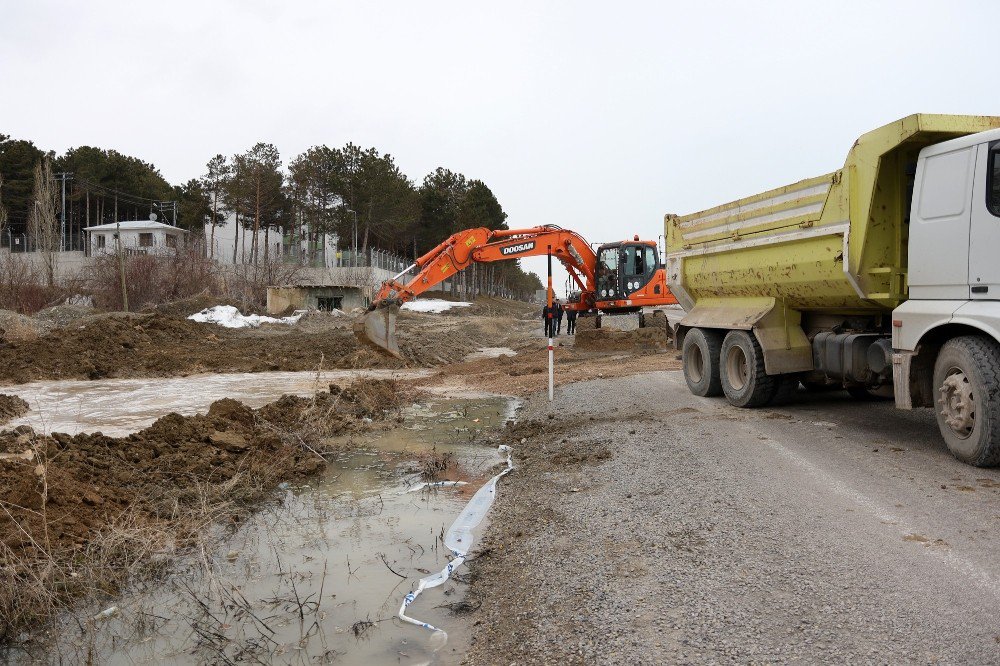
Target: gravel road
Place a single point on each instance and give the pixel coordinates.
(645, 525)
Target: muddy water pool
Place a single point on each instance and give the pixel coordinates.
(318, 575)
(118, 407)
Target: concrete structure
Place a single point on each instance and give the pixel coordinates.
(314, 296)
(137, 237)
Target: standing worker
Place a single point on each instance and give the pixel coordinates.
(547, 320)
(559, 315)
(570, 322)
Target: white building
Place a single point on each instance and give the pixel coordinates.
(137, 237)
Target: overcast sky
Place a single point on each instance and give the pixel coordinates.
(597, 116)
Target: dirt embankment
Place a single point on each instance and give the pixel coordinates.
(11, 407)
(165, 343)
(83, 513)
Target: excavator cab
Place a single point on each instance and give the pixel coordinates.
(625, 267)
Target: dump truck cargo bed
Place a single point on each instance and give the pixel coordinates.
(835, 243)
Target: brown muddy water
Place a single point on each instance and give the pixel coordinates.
(318, 575)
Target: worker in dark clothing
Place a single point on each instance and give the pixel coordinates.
(547, 320)
(570, 322)
(558, 316)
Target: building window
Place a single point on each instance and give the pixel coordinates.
(171, 240)
(145, 240)
(102, 241)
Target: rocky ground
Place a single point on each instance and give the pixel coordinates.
(644, 525)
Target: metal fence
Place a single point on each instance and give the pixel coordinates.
(329, 258)
(26, 243)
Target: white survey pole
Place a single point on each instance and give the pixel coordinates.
(550, 321)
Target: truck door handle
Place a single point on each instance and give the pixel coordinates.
(982, 289)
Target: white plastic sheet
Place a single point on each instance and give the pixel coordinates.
(458, 539)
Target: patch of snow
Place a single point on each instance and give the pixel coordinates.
(229, 317)
(434, 305)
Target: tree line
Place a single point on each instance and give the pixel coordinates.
(342, 191)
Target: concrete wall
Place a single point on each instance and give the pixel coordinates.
(280, 299)
(68, 265)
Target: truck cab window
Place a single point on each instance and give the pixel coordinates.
(993, 180)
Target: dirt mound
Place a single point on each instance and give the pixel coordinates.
(63, 315)
(501, 307)
(605, 339)
(15, 327)
(76, 500)
(11, 407)
(154, 345)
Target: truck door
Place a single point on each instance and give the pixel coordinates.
(984, 241)
(939, 224)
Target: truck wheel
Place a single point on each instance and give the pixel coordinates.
(742, 371)
(967, 400)
(700, 355)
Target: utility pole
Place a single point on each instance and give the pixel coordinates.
(121, 262)
(64, 176)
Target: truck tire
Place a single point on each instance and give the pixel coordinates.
(967, 399)
(700, 354)
(741, 370)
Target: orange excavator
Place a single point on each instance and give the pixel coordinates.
(617, 278)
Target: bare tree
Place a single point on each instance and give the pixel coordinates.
(3, 210)
(42, 220)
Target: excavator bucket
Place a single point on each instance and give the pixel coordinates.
(377, 329)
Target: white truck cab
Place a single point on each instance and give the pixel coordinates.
(946, 336)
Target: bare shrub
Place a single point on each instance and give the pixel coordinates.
(151, 279)
(247, 284)
(23, 288)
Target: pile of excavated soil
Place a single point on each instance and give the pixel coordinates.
(606, 339)
(75, 506)
(16, 327)
(11, 407)
(154, 344)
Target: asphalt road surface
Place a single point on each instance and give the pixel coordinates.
(827, 530)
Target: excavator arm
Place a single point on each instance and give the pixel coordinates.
(481, 245)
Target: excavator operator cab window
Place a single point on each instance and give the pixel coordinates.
(607, 273)
(640, 262)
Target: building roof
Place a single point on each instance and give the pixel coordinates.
(136, 225)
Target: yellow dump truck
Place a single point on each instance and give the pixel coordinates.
(882, 277)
